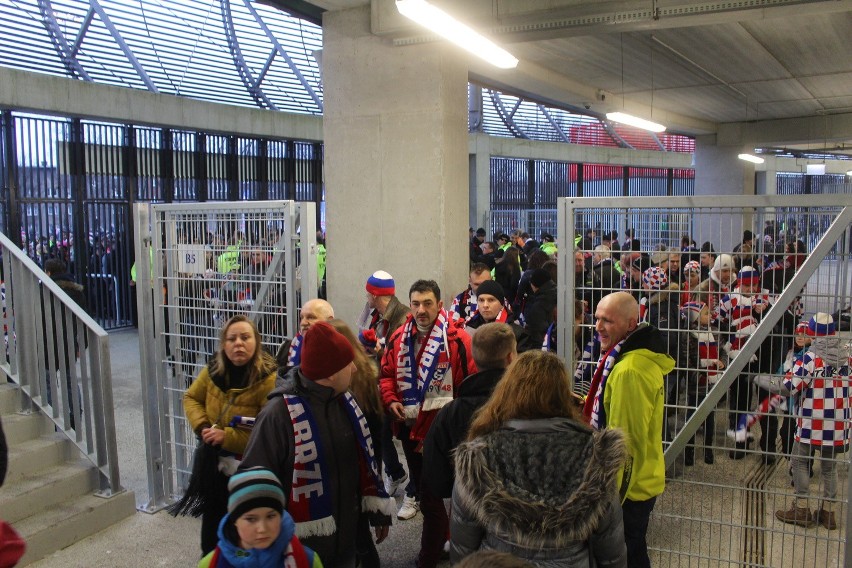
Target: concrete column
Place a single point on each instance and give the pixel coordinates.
(480, 182)
(396, 161)
(719, 172)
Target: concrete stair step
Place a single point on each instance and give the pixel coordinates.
(23, 427)
(46, 489)
(8, 398)
(38, 454)
(71, 521)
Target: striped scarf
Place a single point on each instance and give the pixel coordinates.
(310, 493)
(432, 387)
(593, 408)
(294, 355)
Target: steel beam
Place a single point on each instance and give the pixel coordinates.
(131, 57)
(243, 70)
(66, 54)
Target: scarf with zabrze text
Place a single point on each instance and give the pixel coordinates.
(310, 493)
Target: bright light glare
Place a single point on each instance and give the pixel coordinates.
(451, 29)
(750, 158)
(631, 120)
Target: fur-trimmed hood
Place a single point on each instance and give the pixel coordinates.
(543, 483)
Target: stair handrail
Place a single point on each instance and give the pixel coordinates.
(43, 327)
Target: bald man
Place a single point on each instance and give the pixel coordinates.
(312, 311)
(627, 393)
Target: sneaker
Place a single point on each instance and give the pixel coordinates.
(409, 508)
(826, 519)
(392, 486)
(800, 516)
(740, 435)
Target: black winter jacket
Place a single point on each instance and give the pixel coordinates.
(450, 429)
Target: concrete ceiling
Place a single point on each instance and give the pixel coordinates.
(697, 66)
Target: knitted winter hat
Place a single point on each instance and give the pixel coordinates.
(692, 310)
(820, 325)
(655, 278)
(324, 351)
(380, 283)
(691, 266)
(748, 275)
(368, 338)
(253, 488)
(641, 263)
(492, 288)
(802, 328)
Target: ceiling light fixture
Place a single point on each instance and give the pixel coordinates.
(631, 120)
(448, 27)
(751, 158)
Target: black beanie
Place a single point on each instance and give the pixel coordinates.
(492, 288)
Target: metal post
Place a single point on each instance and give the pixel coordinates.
(151, 410)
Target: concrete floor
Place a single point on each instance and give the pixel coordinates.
(685, 529)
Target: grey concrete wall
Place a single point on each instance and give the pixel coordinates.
(21, 90)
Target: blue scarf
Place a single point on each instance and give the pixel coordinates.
(428, 388)
(310, 492)
(294, 355)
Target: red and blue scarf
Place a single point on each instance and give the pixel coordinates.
(294, 354)
(310, 493)
(594, 407)
(429, 388)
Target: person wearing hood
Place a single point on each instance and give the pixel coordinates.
(257, 532)
(721, 281)
(823, 410)
(313, 435)
(627, 392)
(564, 512)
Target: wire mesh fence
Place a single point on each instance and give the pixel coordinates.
(209, 262)
(754, 309)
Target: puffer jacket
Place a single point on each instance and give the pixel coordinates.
(209, 400)
(543, 490)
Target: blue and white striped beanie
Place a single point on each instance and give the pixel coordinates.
(254, 488)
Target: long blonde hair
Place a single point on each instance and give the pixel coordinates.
(535, 385)
(365, 381)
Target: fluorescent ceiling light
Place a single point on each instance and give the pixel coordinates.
(453, 30)
(750, 158)
(816, 169)
(631, 120)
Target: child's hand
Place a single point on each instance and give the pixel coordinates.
(720, 364)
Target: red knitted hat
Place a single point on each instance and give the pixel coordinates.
(324, 352)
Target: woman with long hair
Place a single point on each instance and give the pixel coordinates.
(507, 273)
(533, 479)
(365, 389)
(235, 382)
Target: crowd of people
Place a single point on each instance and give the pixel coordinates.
(302, 445)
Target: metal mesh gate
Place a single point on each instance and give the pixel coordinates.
(725, 482)
(209, 262)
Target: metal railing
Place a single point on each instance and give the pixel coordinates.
(59, 357)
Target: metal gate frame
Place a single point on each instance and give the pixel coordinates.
(567, 215)
(165, 430)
